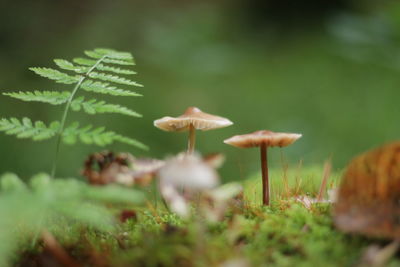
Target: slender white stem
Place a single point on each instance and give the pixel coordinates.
(192, 139)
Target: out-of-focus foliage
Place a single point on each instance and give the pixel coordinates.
(327, 71)
(44, 204)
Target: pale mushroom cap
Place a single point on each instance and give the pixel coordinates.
(199, 119)
(188, 171)
(258, 138)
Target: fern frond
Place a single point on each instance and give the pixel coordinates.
(113, 78)
(50, 97)
(66, 65)
(93, 107)
(26, 129)
(56, 75)
(105, 88)
(98, 136)
(97, 74)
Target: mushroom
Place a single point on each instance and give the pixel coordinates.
(193, 119)
(263, 139)
(187, 172)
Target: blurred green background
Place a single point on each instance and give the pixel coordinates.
(326, 69)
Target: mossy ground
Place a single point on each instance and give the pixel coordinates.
(284, 234)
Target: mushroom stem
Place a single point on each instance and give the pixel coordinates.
(192, 139)
(264, 172)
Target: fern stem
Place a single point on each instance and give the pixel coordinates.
(65, 114)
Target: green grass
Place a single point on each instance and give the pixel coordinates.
(284, 234)
(289, 182)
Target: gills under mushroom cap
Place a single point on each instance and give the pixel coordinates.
(192, 116)
(259, 138)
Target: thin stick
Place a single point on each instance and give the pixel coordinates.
(325, 177)
(264, 172)
(192, 139)
(298, 177)
(285, 168)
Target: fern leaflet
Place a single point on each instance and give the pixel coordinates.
(112, 78)
(26, 129)
(66, 65)
(105, 88)
(93, 107)
(56, 75)
(50, 97)
(99, 136)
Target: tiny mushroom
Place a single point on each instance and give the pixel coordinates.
(193, 119)
(188, 172)
(263, 139)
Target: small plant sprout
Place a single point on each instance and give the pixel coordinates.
(193, 119)
(263, 139)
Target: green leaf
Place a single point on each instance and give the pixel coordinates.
(10, 182)
(93, 54)
(66, 65)
(105, 88)
(113, 78)
(50, 97)
(40, 181)
(56, 75)
(94, 107)
(26, 129)
(130, 141)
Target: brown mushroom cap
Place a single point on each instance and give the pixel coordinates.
(192, 116)
(266, 137)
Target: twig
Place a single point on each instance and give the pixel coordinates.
(325, 177)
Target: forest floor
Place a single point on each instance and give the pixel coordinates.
(287, 233)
